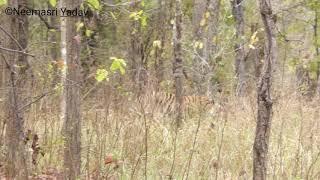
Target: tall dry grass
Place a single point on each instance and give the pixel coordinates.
(218, 146)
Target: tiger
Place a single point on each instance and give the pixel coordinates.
(165, 103)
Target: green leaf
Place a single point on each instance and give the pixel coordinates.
(313, 4)
(94, 4)
(113, 15)
(118, 64)
(157, 44)
(139, 16)
(135, 15)
(88, 32)
(198, 45)
(59, 88)
(101, 75)
(53, 3)
(3, 2)
(203, 22)
(143, 21)
(79, 26)
(52, 30)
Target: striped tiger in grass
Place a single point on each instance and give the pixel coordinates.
(165, 103)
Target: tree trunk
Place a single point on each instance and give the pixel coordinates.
(17, 66)
(317, 48)
(70, 52)
(136, 53)
(162, 25)
(178, 62)
(199, 7)
(261, 143)
(201, 58)
(258, 53)
(54, 46)
(206, 29)
(3, 78)
(211, 47)
(240, 63)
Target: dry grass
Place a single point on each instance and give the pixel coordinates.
(114, 140)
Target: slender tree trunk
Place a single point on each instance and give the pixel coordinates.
(201, 57)
(205, 30)
(3, 75)
(240, 61)
(315, 28)
(199, 7)
(178, 62)
(317, 48)
(70, 51)
(54, 46)
(136, 51)
(159, 53)
(213, 25)
(261, 143)
(258, 52)
(211, 47)
(17, 66)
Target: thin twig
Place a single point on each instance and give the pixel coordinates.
(36, 100)
(146, 138)
(44, 20)
(194, 145)
(312, 164)
(16, 51)
(221, 144)
(14, 39)
(174, 152)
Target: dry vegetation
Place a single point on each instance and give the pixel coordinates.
(106, 67)
(114, 139)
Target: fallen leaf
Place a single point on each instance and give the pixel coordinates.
(109, 159)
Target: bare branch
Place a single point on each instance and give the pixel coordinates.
(15, 40)
(16, 51)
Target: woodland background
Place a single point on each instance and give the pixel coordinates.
(75, 93)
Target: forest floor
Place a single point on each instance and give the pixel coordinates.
(114, 143)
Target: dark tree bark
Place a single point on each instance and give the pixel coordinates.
(90, 43)
(261, 142)
(137, 52)
(240, 60)
(70, 51)
(17, 70)
(138, 70)
(178, 62)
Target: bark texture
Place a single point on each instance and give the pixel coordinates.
(162, 25)
(201, 57)
(17, 66)
(240, 59)
(317, 48)
(178, 62)
(70, 51)
(261, 143)
(206, 29)
(54, 46)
